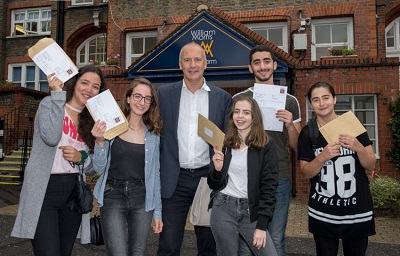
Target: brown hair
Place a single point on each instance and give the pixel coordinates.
(151, 118)
(257, 137)
(86, 121)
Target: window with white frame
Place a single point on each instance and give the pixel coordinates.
(330, 33)
(81, 2)
(364, 108)
(35, 21)
(275, 32)
(139, 43)
(28, 75)
(92, 50)
(393, 39)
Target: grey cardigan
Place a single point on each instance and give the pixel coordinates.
(47, 133)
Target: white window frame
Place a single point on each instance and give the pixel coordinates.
(309, 114)
(23, 82)
(393, 51)
(86, 2)
(87, 58)
(25, 22)
(129, 38)
(272, 25)
(346, 20)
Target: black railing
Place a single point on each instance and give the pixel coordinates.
(26, 151)
(11, 130)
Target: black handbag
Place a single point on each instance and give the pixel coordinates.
(81, 198)
(96, 235)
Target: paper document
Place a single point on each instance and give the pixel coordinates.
(104, 107)
(347, 123)
(51, 58)
(270, 98)
(210, 132)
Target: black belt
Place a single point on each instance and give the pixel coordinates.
(125, 182)
(205, 167)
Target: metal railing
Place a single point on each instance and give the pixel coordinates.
(11, 130)
(26, 151)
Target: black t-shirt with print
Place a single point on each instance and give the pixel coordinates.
(340, 202)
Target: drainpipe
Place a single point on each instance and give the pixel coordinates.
(60, 23)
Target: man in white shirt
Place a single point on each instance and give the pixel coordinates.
(184, 156)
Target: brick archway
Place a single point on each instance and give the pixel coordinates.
(77, 36)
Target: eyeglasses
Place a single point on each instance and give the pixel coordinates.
(138, 97)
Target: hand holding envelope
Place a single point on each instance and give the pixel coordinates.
(210, 132)
(347, 123)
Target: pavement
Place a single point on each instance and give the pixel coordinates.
(299, 241)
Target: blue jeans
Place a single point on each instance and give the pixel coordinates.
(124, 210)
(230, 219)
(277, 226)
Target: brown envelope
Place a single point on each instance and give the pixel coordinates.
(117, 130)
(210, 132)
(347, 123)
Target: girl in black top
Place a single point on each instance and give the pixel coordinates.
(340, 203)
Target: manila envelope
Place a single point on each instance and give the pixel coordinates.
(104, 107)
(210, 132)
(347, 123)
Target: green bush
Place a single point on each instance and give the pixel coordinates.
(385, 192)
(394, 126)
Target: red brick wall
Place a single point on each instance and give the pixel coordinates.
(356, 76)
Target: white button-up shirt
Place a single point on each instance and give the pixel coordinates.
(193, 150)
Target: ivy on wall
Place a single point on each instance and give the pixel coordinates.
(394, 126)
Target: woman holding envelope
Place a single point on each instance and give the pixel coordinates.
(62, 144)
(128, 190)
(243, 177)
(340, 203)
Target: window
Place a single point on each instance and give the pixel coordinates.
(393, 39)
(31, 22)
(327, 33)
(93, 49)
(275, 32)
(28, 75)
(364, 108)
(138, 44)
(81, 2)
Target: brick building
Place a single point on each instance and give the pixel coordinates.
(130, 39)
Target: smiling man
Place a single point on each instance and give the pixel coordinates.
(262, 66)
(184, 156)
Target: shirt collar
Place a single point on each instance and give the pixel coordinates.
(204, 86)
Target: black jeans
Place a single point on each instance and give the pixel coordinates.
(58, 225)
(175, 211)
(327, 246)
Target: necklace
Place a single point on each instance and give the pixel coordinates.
(135, 130)
(72, 108)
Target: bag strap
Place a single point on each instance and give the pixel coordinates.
(313, 132)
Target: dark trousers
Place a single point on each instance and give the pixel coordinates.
(175, 211)
(58, 225)
(327, 246)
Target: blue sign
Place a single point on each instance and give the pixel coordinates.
(226, 50)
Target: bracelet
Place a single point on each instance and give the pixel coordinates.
(84, 155)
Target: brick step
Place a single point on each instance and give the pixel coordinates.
(9, 169)
(10, 183)
(9, 176)
(12, 163)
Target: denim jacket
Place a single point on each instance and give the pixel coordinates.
(101, 164)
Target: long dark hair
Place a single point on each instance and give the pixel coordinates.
(257, 137)
(151, 118)
(86, 121)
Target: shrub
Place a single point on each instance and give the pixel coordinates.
(394, 125)
(385, 191)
